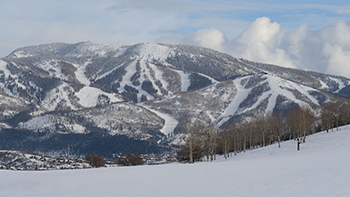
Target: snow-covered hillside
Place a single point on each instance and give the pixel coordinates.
(321, 168)
(67, 88)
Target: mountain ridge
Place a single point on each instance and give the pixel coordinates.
(72, 88)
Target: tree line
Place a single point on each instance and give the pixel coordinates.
(206, 141)
(80, 144)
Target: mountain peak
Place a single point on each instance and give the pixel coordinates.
(80, 49)
(146, 91)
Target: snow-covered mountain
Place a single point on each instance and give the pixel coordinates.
(145, 91)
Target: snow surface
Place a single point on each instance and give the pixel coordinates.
(20, 54)
(3, 68)
(155, 51)
(321, 168)
(39, 122)
(56, 95)
(80, 73)
(89, 96)
(185, 80)
(120, 52)
(91, 49)
(130, 70)
(149, 72)
(323, 85)
(241, 94)
(170, 122)
(48, 122)
(109, 72)
(278, 86)
(158, 74)
(340, 82)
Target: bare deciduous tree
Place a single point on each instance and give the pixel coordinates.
(211, 136)
(193, 137)
(95, 161)
(131, 159)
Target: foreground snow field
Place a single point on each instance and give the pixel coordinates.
(321, 168)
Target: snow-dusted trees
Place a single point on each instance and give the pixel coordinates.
(326, 117)
(344, 113)
(300, 121)
(199, 141)
(334, 114)
(225, 142)
(206, 141)
(276, 124)
(193, 148)
(210, 137)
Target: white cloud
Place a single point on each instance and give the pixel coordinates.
(324, 50)
(211, 38)
(259, 43)
(295, 37)
(223, 26)
(338, 59)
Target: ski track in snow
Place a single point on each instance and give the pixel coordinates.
(130, 70)
(6, 71)
(210, 78)
(170, 122)
(80, 74)
(120, 52)
(276, 84)
(277, 87)
(323, 84)
(301, 88)
(340, 82)
(159, 75)
(109, 72)
(146, 75)
(320, 168)
(89, 96)
(185, 80)
(241, 94)
(56, 95)
(155, 51)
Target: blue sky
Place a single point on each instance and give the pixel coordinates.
(311, 35)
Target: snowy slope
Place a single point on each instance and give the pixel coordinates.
(169, 124)
(176, 82)
(240, 99)
(321, 168)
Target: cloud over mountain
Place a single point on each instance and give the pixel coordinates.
(324, 50)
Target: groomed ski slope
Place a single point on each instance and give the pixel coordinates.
(321, 168)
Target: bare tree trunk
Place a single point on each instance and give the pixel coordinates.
(225, 149)
(263, 140)
(279, 141)
(245, 142)
(298, 143)
(191, 152)
(337, 122)
(250, 140)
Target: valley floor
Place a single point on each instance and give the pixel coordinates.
(321, 168)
